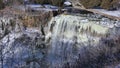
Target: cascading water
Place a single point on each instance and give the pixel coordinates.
(69, 38)
(63, 41)
(68, 34)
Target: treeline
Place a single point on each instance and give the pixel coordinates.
(53, 2)
(105, 4)
(11, 2)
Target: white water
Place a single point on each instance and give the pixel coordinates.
(68, 34)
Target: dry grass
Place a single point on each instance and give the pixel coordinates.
(106, 4)
(90, 3)
(36, 21)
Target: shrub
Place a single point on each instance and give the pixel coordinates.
(40, 1)
(116, 4)
(58, 2)
(53, 2)
(1, 4)
(110, 4)
(90, 3)
(106, 4)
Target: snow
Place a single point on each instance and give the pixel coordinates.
(50, 6)
(113, 13)
(67, 3)
(34, 6)
(117, 24)
(45, 7)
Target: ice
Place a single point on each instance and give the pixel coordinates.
(113, 13)
(50, 6)
(67, 3)
(34, 5)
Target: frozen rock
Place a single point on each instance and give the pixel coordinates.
(67, 3)
(47, 6)
(117, 24)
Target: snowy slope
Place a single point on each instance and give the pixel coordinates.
(113, 13)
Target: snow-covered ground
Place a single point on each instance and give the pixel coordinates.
(113, 13)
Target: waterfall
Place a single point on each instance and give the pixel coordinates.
(68, 38)
(63, 41)
(68, 34)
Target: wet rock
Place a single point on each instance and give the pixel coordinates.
(70, 33)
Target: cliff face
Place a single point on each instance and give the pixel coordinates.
(64, 41)
(21, 43)
(75, 38)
